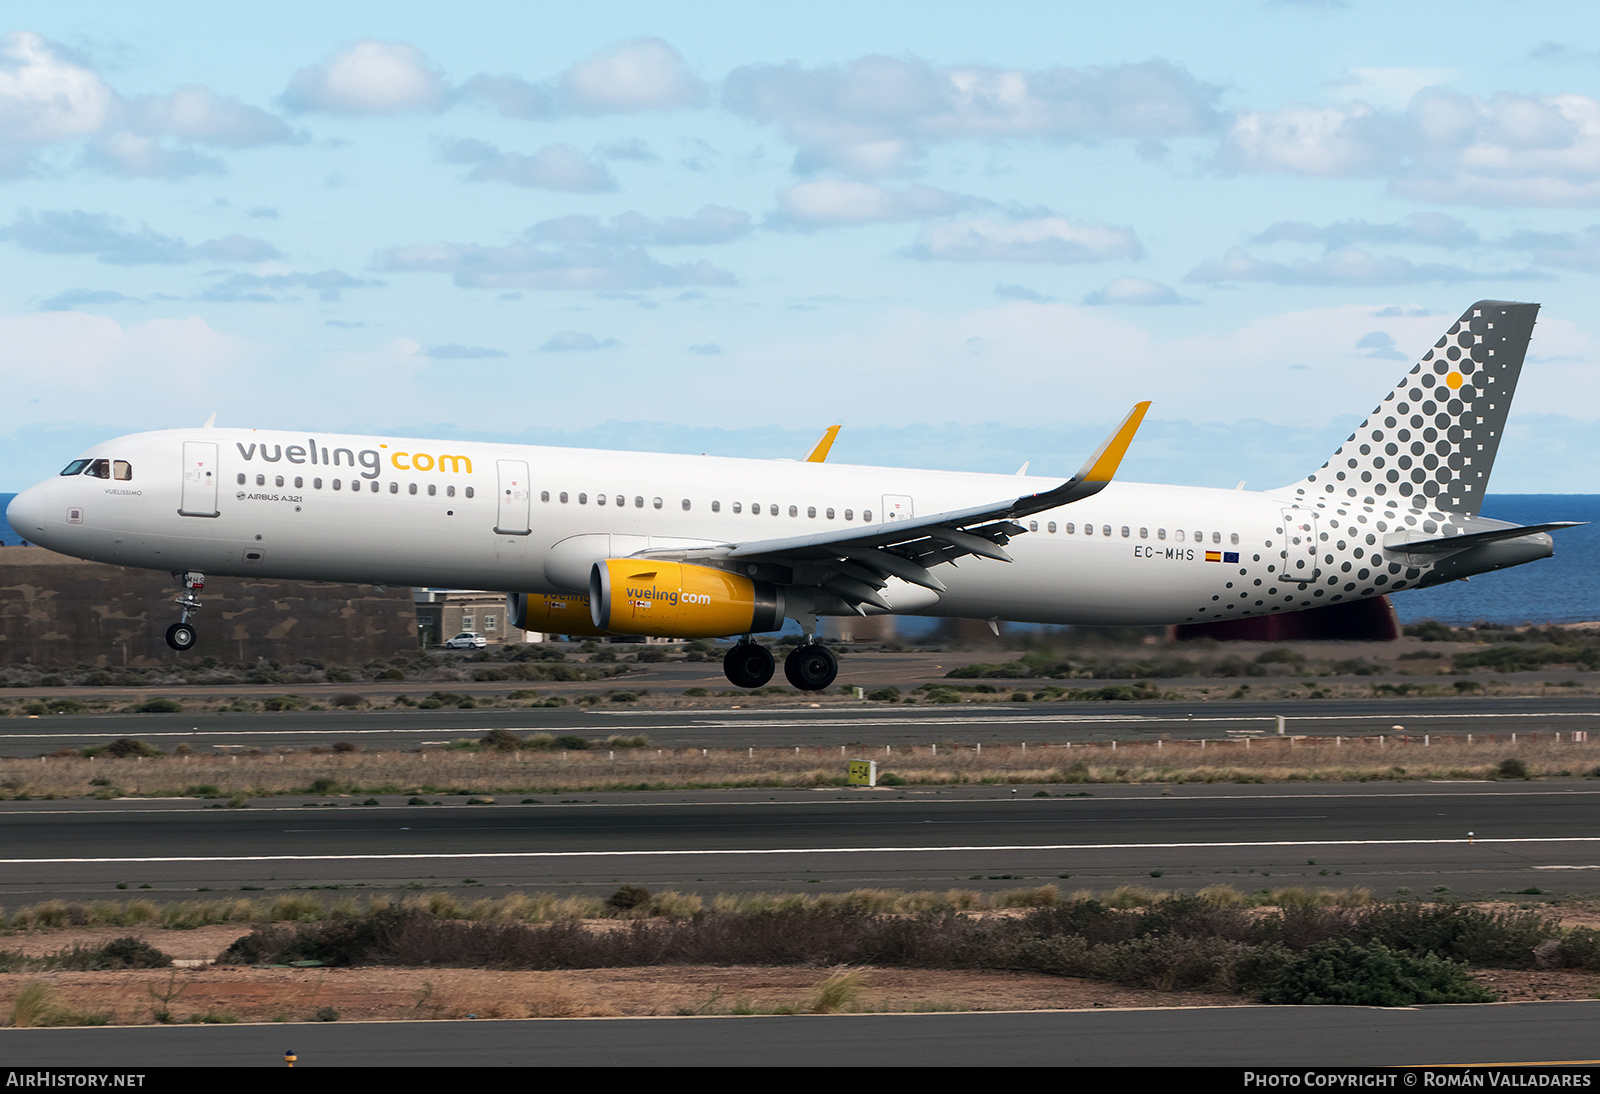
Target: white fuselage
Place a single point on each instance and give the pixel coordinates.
(452, 514)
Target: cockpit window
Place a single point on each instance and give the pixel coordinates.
(76, 467)
(121, 470)
(100, 469)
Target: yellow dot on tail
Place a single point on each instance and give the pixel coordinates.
(1454, 380)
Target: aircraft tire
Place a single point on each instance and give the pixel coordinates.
(748, 665)
(811, 667)
(180, 636)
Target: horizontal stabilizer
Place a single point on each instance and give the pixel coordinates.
(1397, 541)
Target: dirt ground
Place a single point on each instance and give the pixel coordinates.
(203, 992)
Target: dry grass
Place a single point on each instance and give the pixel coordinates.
(439, 772)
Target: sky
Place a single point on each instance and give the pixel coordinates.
(974, 235)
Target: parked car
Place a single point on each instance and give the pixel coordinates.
(466, 640)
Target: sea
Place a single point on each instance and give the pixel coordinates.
(1564, 588)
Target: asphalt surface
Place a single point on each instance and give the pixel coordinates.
(1472, 839)
(825, 724)
(1318, 1037)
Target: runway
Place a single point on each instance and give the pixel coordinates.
(1472, 839)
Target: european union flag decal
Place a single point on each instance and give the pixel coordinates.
(1230, 556)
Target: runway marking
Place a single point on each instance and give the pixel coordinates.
(412, 857)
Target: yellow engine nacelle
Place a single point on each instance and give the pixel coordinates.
(551, 614)
(677, 600)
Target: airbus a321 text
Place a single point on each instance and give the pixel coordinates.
(596, 543)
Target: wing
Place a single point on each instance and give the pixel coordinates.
(819, 451)
(856, 563)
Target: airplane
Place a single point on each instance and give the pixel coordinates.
(618, 543)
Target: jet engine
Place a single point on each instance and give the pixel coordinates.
(679, 600)
(551, 614)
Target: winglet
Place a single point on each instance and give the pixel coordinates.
(1093, 476)
(1101, 466)
(819, 451)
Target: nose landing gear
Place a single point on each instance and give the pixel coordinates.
(811, 667)
(180, 636)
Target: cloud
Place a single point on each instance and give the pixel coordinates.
(1346, 266)
(1506, 149)
(1022, 292)
(642, 74)
(75, 299)
(44, 97)
(712, 224)
(246, 288)
(877, 115)
(1137, 291)
(237, 248)
(834, 202)
(1381, 346)
(575, 341)
(1427, 229)
(1042, 239)
(706, 349)
(368, 78)
(512, 96)
(75, 232)
(628, 148)
(1575, 250)
(196, 113)
(565, 266)
(454, 352)
(553, 167)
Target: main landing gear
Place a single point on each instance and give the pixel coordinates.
(180, 636)
(748, 664)
(811, 667)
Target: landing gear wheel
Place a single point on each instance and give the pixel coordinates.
(748, 665)
(180, 636)
(811, 667)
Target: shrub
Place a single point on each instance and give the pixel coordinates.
(159, 706)
(1512, 768)
(1342, 973)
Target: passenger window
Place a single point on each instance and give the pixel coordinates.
(316, 484)
(685, 505)
(830, 513)
(241, 477)
(432, 490)
(299, 483)
(338, 484)
(794, 511)
(121, 470)
(621, 501)
(716, 507)
(261, 480)
(848, 515)
(1178, 535)
(470, 492)
(811, 510)
(638, 503)
(563, 495)
(1161, 533)
(599, 499)
(583, 499)
(736, 508)
(1105, 529)
(1199, 537)
(1051, 527)
(412, 489)
(1033, 526)
(772, 510)
(866, 514)
(657, 503)
(544, 495)
(1216, 537)
(450, 492)
(1234, 539)
(394, 488)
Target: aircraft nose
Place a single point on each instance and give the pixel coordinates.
(25, 514)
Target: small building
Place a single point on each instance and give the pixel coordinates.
(444, 613)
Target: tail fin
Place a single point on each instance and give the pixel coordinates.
(1432, 441)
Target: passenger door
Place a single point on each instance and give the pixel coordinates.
(515, 498)
(199, 498)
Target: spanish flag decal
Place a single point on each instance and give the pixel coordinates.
(1213, 556)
